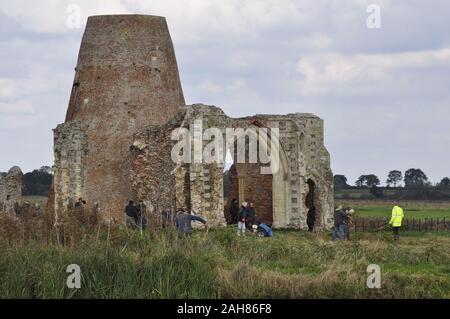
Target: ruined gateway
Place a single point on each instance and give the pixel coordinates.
(115, 144)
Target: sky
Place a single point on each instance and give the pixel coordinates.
(384, 92)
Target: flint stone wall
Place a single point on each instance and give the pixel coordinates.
(11, 189)
(70, 149)
(199, 186)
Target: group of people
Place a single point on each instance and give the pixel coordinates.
(343, 221)
(245, 218)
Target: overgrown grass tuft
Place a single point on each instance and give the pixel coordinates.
(119, 263)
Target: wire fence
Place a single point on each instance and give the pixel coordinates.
(425, 224)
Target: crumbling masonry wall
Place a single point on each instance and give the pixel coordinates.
(70, 149)
(302, 157)
(11, 189)
(126, 78)
(115, 144)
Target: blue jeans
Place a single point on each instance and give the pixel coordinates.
(338, 232)
(241, 228)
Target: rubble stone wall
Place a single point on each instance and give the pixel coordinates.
(11, 189)
(281, 196)
(70, 149)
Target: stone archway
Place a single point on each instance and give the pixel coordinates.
(268, 192)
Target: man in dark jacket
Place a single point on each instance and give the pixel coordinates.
(339, 227)
(250, 215)
(311, 219)
(184, 222)
(234, 209)
(131, 212)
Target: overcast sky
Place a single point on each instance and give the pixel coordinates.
(384, 93)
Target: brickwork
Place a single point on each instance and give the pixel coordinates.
(126, 79)
(116, 143)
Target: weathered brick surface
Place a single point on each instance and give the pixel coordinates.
(126, 79)
(257, 189)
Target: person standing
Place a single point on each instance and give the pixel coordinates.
(234, 210)
(142, 214)
(250, 215)
(339, 227)
(348, 221)
(311, 218)
(242, 217)
(396, 220)
(131, 214)
(184, 222)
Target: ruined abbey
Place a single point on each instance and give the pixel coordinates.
(117, 139)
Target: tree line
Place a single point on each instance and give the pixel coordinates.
(416, 185)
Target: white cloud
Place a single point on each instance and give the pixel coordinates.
(17, 107)
(50, 16)
(367, 74)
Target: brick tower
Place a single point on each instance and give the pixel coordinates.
(126, 79)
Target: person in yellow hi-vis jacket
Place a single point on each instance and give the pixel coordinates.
(396, 220)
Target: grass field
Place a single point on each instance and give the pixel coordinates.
(364, 193)
(218, 264)
(117, 263)
(355, 193)
(412, 209)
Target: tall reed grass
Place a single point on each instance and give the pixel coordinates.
(121, 263)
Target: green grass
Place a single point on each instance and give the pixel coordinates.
(385, 212)
(364, 193)
(218, 264)
(412, 209)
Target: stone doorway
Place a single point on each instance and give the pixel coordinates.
(310, 197)
(312, 200)
(245, 183)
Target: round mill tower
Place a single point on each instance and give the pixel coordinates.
(126, 79)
